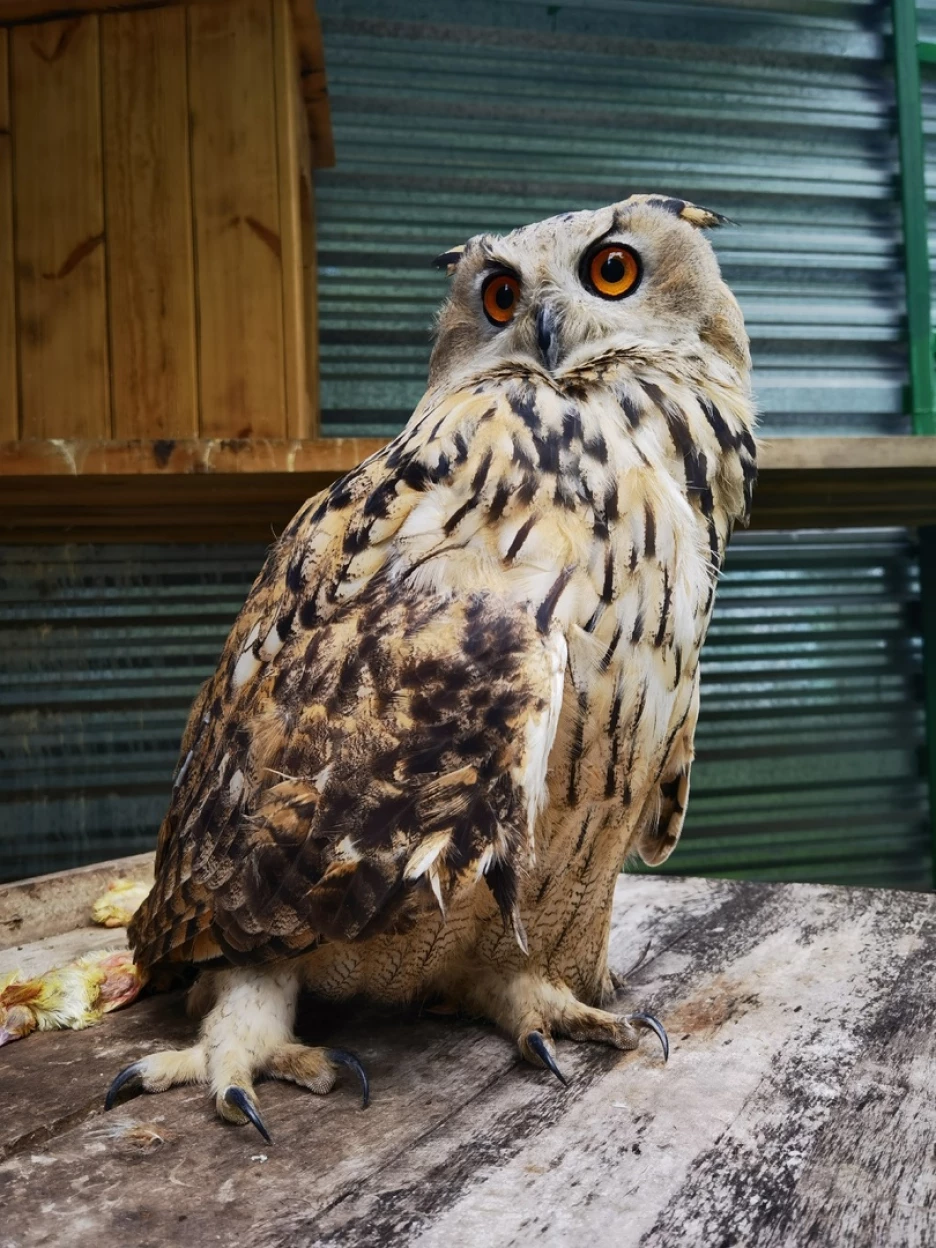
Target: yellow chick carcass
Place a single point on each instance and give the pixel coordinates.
(117, 906)
(73, 996)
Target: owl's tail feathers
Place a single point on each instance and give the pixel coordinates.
(73, 996)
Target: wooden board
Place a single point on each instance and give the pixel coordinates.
(798, 1106)
(149, 224)
(59, 207)
(237, 219)
(229, 490)
(298, 413)
(9, 414)
(308, 33)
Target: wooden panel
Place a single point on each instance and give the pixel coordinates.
(288, 119)
(151, 279)
(59, 203)
(9, 415)
(236, 196)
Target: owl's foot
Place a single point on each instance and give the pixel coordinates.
(246, 1036)
(534, 1011)
(621, 1033)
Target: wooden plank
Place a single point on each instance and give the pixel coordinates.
(247, 490)
(59, 206)
(308, 38)
(237, 220)
(9, 400)
(49, 905)
(798, 1105)
(285, 73)
(149, 224)
(310, 291)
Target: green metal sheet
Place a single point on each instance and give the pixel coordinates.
(451, 119)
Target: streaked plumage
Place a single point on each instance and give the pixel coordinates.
(465, 685)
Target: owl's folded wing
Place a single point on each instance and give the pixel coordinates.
(395, 757)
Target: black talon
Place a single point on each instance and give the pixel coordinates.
(238, 1097)
(654, 1025)
(343, 1058)
(537, 1043)
(129, 1073)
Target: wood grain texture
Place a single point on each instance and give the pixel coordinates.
(298, 414)
(308, 31)
(9, 401)
(59, 205)
(149, 224)
(237, 220)
(797, 1106)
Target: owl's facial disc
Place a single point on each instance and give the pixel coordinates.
(636, 276)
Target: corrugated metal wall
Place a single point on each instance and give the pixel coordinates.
(455, 118)
(452, 118)
(809, 740)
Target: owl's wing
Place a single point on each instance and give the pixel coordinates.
(369, 744)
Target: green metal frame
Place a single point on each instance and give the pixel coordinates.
(909, 53)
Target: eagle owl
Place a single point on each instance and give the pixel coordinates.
(464, 687)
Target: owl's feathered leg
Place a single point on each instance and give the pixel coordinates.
(247, 1033)
(533, 1010)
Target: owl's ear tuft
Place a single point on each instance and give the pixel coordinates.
(701, 218)
(449, 259)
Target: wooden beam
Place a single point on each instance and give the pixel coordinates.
(246, 490)
(308, 33)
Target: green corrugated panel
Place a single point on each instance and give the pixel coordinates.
(455, 118)
(808, 747)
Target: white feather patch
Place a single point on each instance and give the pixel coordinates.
(425, 856)
(540, 735)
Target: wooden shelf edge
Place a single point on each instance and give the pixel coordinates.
(173, 457)
(170, 457)
(230, 490)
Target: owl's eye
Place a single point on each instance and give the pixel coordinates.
(500, 295)
(611, 271)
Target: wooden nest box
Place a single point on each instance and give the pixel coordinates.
(157, 262)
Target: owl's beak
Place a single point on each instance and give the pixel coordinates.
(547, 336)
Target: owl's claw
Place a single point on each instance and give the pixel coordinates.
(132, 1074)
(341, 1057)
(536, 1042)
(237, 1099)
(654, 1025)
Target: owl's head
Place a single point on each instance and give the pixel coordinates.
(557, 294)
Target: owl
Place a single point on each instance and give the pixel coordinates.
(464, 687)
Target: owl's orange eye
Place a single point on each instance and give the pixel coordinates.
(611, 271)
(500, 296)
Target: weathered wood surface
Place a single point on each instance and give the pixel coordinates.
(54, 905)
(798, 1106)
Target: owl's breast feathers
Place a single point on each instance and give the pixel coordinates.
(525, 573)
